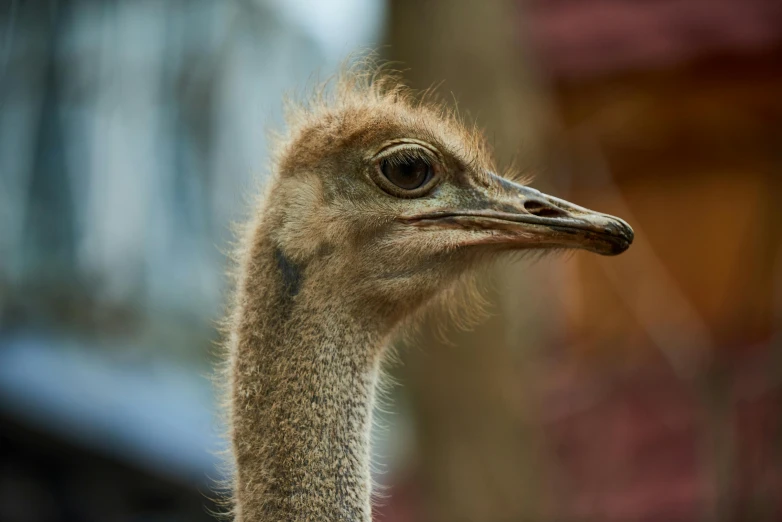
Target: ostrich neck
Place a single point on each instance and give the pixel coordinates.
(303, 376)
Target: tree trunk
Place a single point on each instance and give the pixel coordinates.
(480, 455)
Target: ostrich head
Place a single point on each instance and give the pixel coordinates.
(387, 202)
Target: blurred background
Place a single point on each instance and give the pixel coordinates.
(643, 387)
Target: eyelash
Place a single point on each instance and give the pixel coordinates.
(400, 154)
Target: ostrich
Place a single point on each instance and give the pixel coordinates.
(377, 207)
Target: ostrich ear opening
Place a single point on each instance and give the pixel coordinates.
(519, 217)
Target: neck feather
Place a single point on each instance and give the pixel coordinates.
(302, 384)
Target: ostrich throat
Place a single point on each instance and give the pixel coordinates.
(304, 372)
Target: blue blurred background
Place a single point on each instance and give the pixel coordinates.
(131, 134)
(647, 387)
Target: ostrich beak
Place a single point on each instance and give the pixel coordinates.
(521, 217)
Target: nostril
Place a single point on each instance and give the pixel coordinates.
(542, 209)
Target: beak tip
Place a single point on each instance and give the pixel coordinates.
(623, 234)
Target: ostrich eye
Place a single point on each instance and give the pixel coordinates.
(407, 173)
